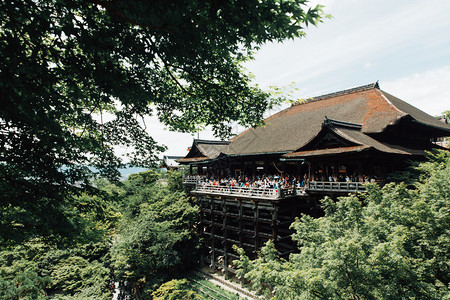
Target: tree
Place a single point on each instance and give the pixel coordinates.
(75, 274)
(76, 268)
(175, 289)
(156, 237)
(36, 269)
(446, 115)
(77, 78)
(27, 285)
(391, 243)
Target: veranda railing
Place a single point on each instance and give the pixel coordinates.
(272, 193)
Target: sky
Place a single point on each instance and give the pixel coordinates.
(403, 44)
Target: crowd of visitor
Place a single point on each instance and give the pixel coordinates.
(274, 181)
(261, 181)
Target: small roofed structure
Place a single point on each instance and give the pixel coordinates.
(203, 151)
(170, 162)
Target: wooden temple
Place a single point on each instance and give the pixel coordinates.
(328, 145)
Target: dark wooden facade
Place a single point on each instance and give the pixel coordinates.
(328, 145)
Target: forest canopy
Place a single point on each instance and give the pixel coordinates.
(77, 78)
(140, 230)
(390, 243)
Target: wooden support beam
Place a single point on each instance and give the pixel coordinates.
(309, 171)
(275, 223)
(256, 225)
(213, 254)
(240, 224)
(202, 226)
(253, 170)
(225, 250)
(361, 172)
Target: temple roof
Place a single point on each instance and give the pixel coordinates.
(170, 161)
(353, 120)
(292, 128)
(344, 137)
(202, 150)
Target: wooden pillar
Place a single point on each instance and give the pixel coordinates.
(202, 229)
(213, 249)
(274, 223)
(256, 225)
(227, 168)
(383, 170)
(240, 224)
(310, 176)
(266, 167)
(253, 170)
(225, 241)
(360, 171)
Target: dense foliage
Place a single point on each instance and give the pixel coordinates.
(143, 229)
(78, 266)
(78, 77)
(33, 270)
(391, 243)
(157, 237)
(175, 289)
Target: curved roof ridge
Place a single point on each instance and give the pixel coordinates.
(217, 142)
(338, 123)
(361, 88)
(407, 109)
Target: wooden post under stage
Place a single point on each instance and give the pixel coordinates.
(240, 223)
(225, 227)
(255, 220)
(274, 223)
(201, 229)
(247, 223)
(213, 249)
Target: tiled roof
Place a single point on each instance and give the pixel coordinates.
(293, 127)
(203, 150)
(355, 141)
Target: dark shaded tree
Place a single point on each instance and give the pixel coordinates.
(77, 77)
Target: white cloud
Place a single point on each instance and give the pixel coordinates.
(368, 65)
(389, 35)
(428, 91)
